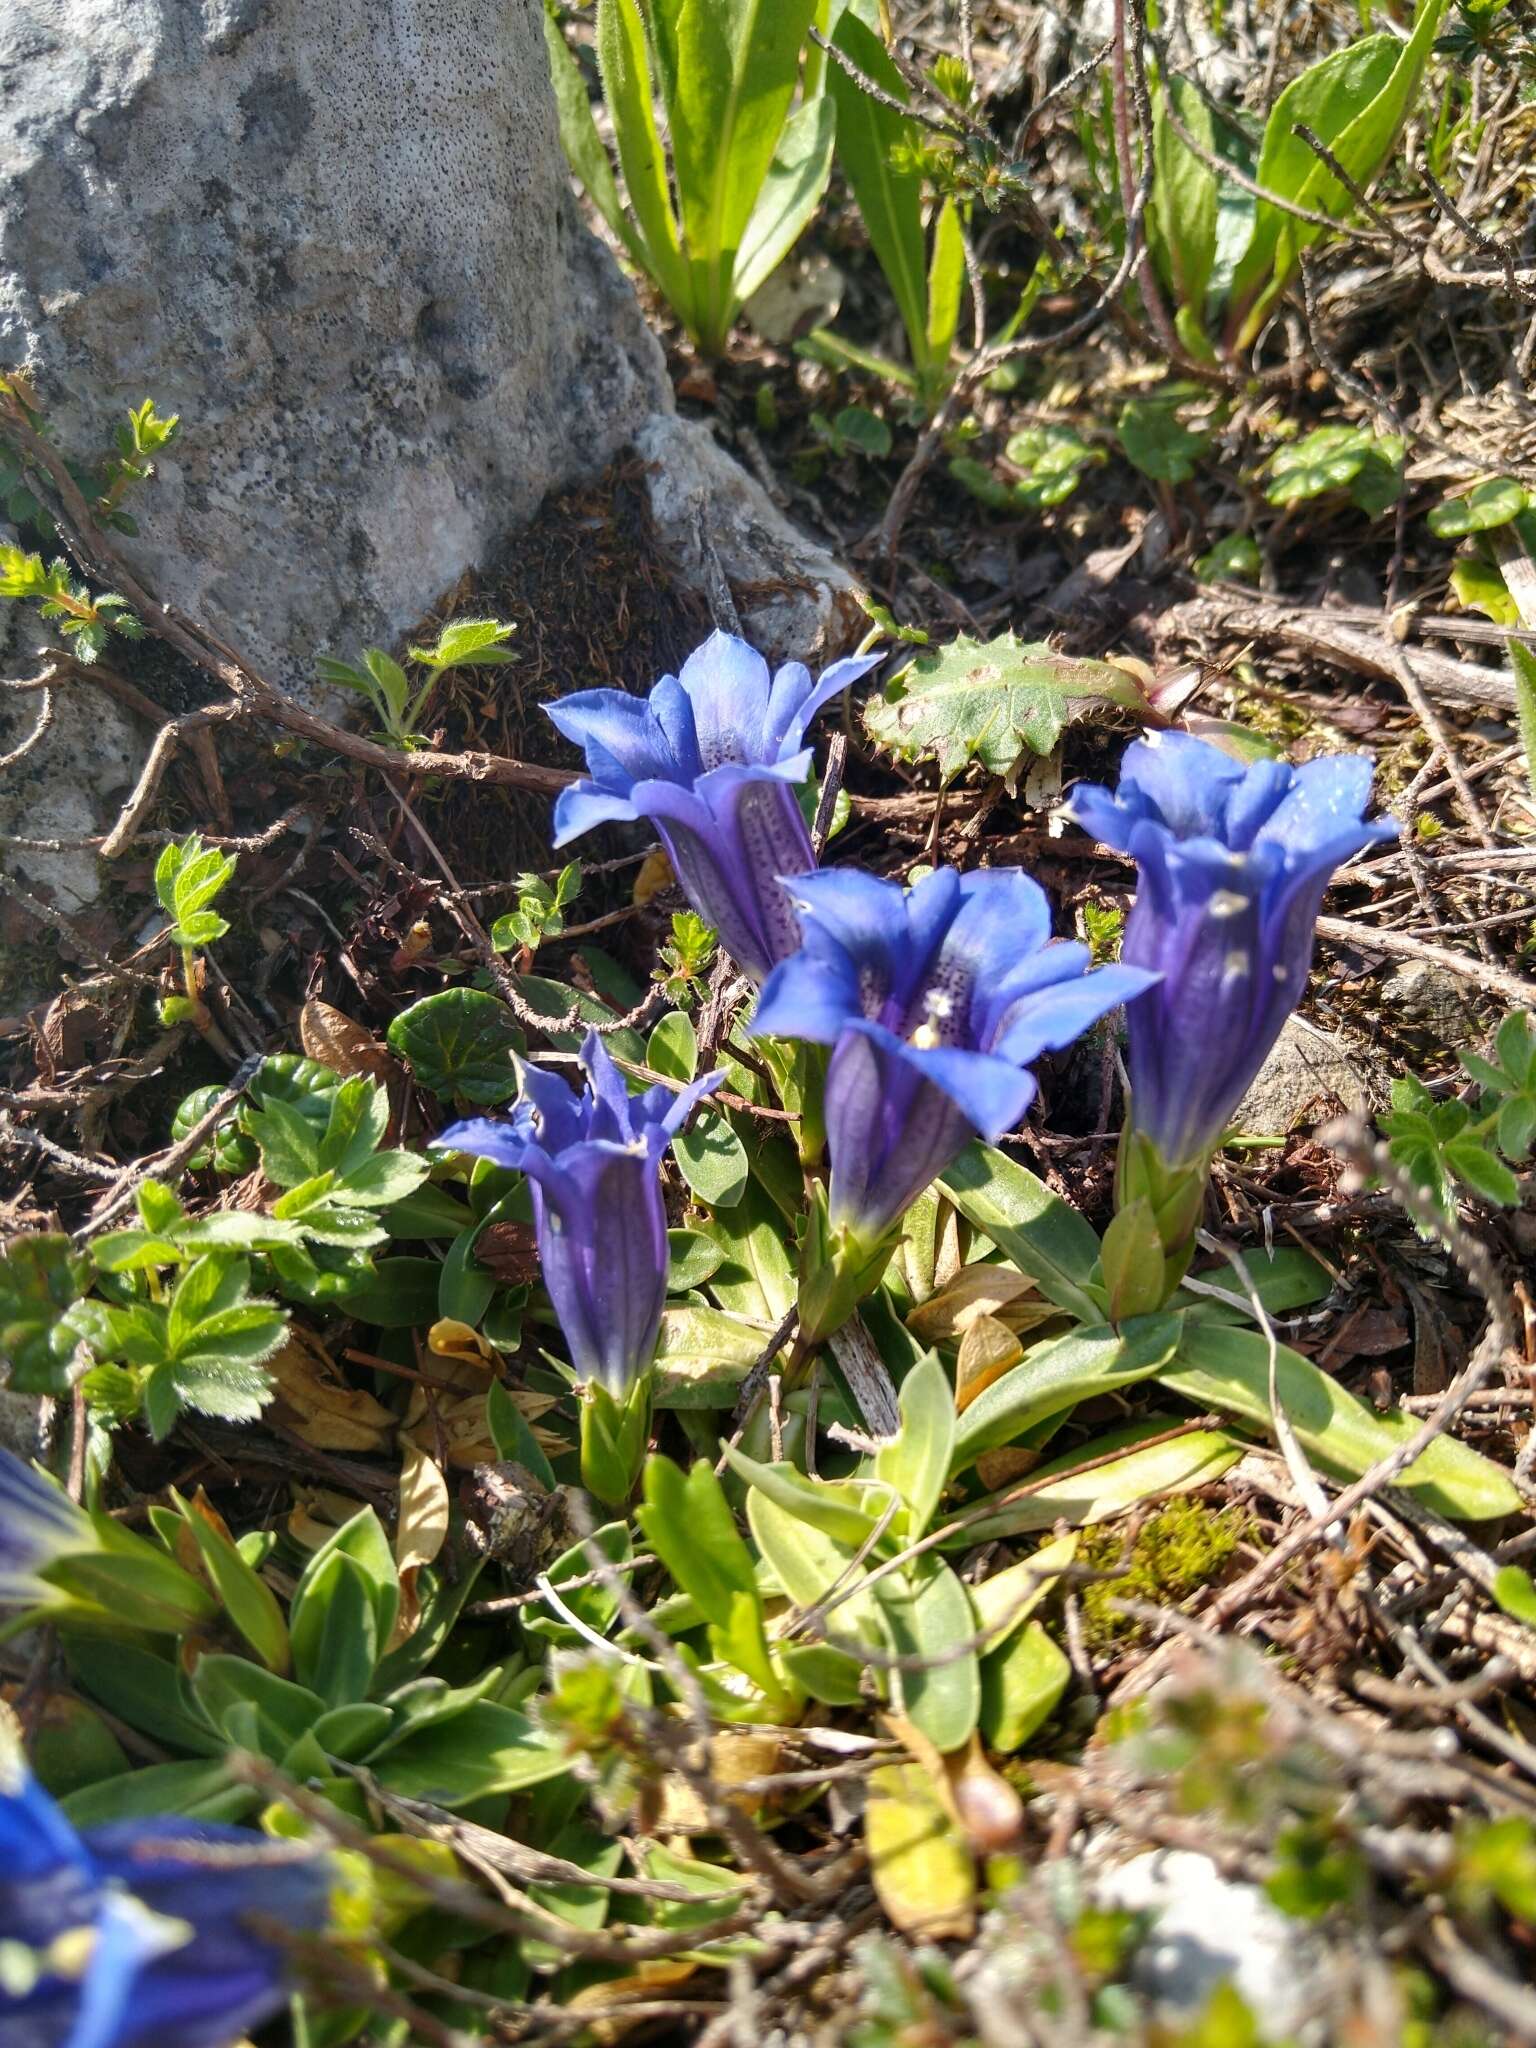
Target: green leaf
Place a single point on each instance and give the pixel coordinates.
(846, 1510)
(672, 1048)
(459, 1046)
(1022, 1685)
(1103, 1478)
(1060, 1373)
(1043, 1235)
(188, 876)
(283, 1712)
(692, 1259)
(289, 1141)
(928, 1615)
(1480, 587)
(40, 1278)
(1135, 1269)
(1229, 1370)
(876, 148)
(688, 1523)
(1157, 442)
(702, 1356)
(485, 1752)
(791, 192)
(582, 144)
(626, 74)
(808, 1563)
(513, 1436)
(248, 1600)
(946, 288)
(334, 1629)
(1325, 460)
(915, 1463)
(1052, 459)
(1515, 1593)
(1234, 559)
(991, 701)
(1471, 1161)
(467, 643)
(194, 1792)
(1355, 101)
(733, 66)
(1181, 217)
(1485, 506)
(713, 1160)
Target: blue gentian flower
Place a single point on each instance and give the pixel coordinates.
(143, 1934)
(934, 1001)
(38, 1525)
(593, 1161)
(710, 759)
(1233, 862)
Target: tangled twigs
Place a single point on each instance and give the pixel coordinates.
(256, 697)
(1372, 1159)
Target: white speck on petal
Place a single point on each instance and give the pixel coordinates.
(1238, 962)
(1280, 973)
(1227, 903)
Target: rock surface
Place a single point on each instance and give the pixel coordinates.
(1208, 1930)
(338, 240)
(792, 597)
(1308, 1072)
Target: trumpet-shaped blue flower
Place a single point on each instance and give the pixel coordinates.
(934, 1001)
(144, 1934)
(38, 1525)
(1233, 864)
(710, 759)
(593, 1161)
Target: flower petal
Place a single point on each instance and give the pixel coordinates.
(727, 684)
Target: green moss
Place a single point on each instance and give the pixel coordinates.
(1180, 1545)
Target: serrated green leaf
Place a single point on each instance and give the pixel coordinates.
(459, 1045)
(991, 701)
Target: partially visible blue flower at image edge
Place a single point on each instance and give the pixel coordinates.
(142, 1934)
(710, 759)
(39, 1524)
(935, 1000)
(1233, 864)
(594, 1164)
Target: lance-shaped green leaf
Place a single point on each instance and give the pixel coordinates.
(1059, 1374)
(1229, 1370)
(1044, 1236)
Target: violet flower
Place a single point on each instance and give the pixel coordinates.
(1233, 862)
(710, 759)
(142, 1934)
(593, 1161)
(934, 1001)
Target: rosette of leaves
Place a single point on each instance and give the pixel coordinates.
(1353, 460)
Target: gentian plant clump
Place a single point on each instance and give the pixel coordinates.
(1232, 863)
(143, 1934)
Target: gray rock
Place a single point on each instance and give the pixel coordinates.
(1208, 1930)
(1423, 997)
(1306, 1074)
(793, 598)
(338, 240)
